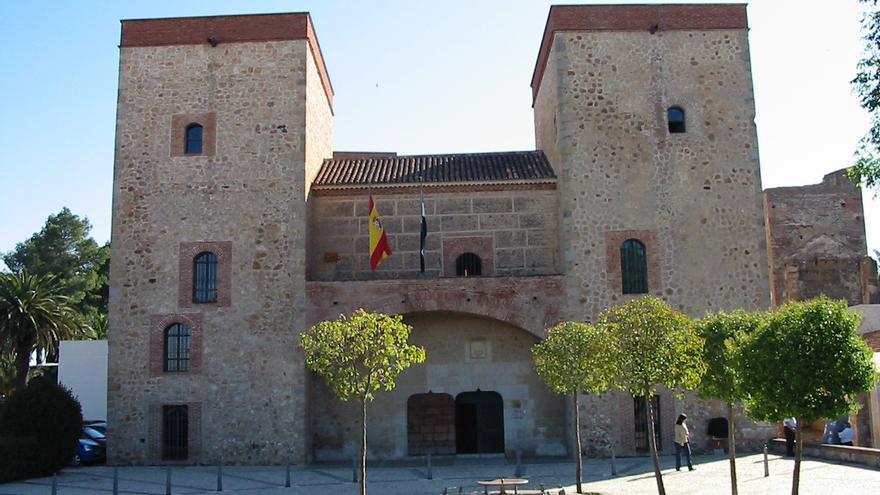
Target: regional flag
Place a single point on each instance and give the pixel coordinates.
(378, 240)
(423, 237)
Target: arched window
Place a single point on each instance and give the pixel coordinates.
(194, 133)
(634, 267)
(675, 119)
(205, 278)
(176, 355)
(468, 265)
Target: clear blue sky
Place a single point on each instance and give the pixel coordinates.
(411, 77)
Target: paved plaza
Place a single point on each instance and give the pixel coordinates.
(634, 477)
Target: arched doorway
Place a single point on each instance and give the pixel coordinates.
(479, 423)
(430, 424)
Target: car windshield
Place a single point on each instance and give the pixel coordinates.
(93, 433)
(102, 429)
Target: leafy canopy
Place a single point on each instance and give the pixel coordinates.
(360, 354)
(723, 334)
(657, 346)
(576, 357)
(63, 248)
(867, 86)
(806, 362)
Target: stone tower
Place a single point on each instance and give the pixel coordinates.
(222, 124)
(646, 113)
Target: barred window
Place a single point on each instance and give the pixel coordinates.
(175, 432)
(468, 265)
(675, 119)
(176, 348)
(193, 141)
(634, 267)
(205, 278)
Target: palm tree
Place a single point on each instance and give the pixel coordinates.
(34, 314)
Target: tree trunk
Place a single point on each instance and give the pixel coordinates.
(653, 444)
(579, 470)
(731, 446)
(22, 366)
(362, 468)
(798, 449)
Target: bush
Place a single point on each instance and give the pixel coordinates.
(39, 430)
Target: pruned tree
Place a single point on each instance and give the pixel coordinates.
(806, 362)
(358, 356)
(576, 357)
(657, 346)
(723, 334)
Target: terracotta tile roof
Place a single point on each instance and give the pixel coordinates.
(512, 166)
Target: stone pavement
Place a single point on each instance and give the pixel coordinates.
(634, 477)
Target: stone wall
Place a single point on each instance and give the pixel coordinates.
(465, 353)
(697, 193)
(694, 198)
(513, 232)
(249, 393)
(817, 244)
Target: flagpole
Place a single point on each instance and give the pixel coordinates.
(423, 228)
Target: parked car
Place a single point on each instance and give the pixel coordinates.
(92, 447)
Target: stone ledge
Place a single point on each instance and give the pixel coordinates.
(857, 455)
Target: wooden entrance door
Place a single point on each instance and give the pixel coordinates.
(640, 414)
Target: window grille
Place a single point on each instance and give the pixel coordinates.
(634, 267)
(175, 432)
(205, 278)
(468, 265)
(177, 348)
(194, 133)
(675, 119)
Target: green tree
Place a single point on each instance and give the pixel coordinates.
(63, 248)
(657, 346)
(806, 362)
(358, 356)
(723, 334)
(867, 85)
(34, 314)
(572, 358)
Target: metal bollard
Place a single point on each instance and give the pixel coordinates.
(766, 463)
(613, 462)
(287, 475)
(168, 480)
(430, 471)
(519, 471)
(54, 483)
(115, 480)
(220, 477)
(354, 470)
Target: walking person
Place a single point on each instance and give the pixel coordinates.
(789, 425)
(682, 443)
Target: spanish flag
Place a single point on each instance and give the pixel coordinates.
(378, 240)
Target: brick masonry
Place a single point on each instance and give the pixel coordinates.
(179, 123)
(158, 325)
(188, 253)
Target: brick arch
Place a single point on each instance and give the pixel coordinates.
(529, 303)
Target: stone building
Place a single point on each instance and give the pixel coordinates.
(236, 227)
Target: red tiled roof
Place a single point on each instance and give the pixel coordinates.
(514, 166)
